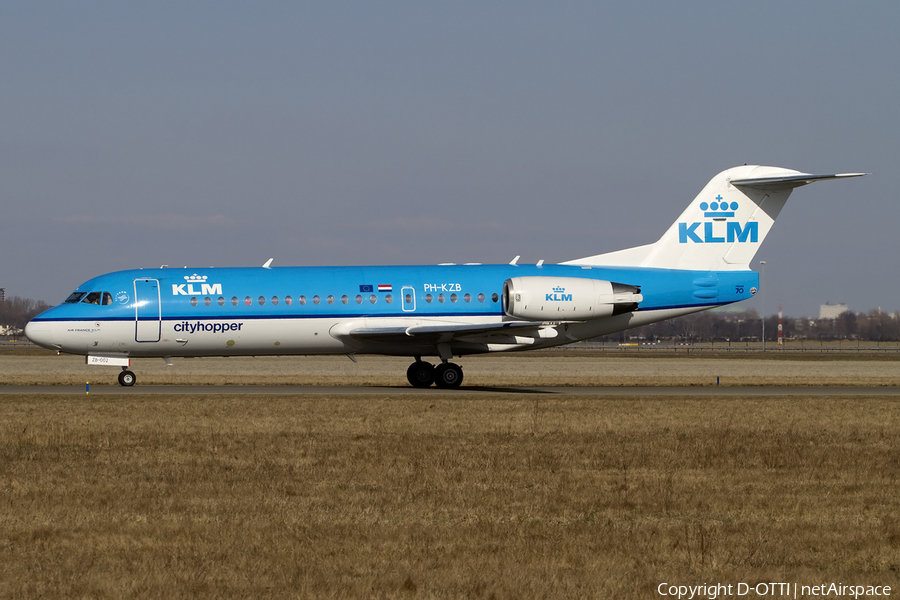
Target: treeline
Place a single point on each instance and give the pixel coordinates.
(874, 326)
(15, 312)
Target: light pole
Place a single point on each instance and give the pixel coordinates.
(762, 271)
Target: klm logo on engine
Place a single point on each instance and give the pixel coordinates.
(719, 230)
(188, 289)
(558, 295)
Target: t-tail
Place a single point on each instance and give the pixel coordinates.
(722, 229)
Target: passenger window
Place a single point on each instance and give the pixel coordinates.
(302, 300)
(221, 301)
(207, 301)
(358, 299)
(481, 297)
(288, 300)
(373, 298)
(248, 300)
(274, 300)
(453, 298)
(495, 297)
(330, 299)
(316, 300)
(441, 298)
(467, 298)
(234, 301)
(388, 298)
(428, 298)
(345, 299)
(262, 300)
(194, 301)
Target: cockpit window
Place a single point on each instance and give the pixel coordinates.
(75, 297)
(104, 298)
(93, 298)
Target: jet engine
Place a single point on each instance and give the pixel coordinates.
(567, 298)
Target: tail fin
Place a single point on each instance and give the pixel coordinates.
(725, 224)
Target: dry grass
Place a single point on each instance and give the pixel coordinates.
(519, 496)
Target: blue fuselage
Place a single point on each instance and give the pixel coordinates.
(292, 310)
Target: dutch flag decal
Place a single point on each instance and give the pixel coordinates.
(384, 288)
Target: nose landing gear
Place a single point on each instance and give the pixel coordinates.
(446, 375)
(126, 378)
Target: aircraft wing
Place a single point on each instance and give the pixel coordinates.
(442, 333)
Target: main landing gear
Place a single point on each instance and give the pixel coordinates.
(446, 375)
(126, 378)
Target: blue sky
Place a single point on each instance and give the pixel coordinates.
(188, 133)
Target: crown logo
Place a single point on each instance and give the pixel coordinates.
(195, 278)
(559, 290)
(718, 208)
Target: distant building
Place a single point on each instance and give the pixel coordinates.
(831, 311)
(2, 294)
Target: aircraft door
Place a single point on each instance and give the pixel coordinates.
(409, 299)
(147, 310)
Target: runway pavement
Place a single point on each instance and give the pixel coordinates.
(298, 390)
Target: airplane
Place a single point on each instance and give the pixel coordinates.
(702, 261)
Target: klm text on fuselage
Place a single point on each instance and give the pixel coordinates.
(205, 289)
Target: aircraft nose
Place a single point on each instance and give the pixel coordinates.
(40, 333)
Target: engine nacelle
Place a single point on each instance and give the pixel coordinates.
(567, 298)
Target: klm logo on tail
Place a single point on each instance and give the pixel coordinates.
(713, 235)
(718, 231)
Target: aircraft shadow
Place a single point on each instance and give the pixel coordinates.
(483, 388)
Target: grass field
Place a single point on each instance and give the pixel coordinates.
(442, 495)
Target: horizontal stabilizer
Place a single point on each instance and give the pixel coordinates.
(788, 182)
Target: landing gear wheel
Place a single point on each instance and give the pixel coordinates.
(420, 374)
(448, 376)
(127, 378)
